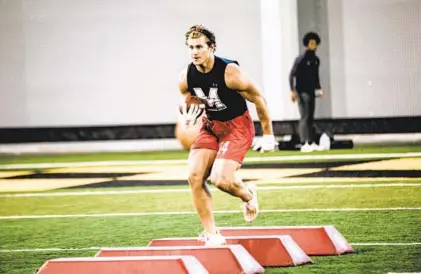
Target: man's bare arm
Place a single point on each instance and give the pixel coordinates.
(182, 83)
(235, 79)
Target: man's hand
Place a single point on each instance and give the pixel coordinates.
(319, 92)
(267, 143)
(190, 116)
(293, 95)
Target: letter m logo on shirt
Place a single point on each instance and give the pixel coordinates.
(212, 101)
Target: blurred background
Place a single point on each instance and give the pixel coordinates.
(107, 70)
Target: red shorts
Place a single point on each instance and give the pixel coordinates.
(231, 139)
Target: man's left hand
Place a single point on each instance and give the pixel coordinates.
(266, 143)
(319, 92)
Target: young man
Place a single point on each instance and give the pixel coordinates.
(306, 88)
(227, 132)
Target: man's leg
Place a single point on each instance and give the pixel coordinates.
(224, 176)
(303, 104)
(310, 121)
(224, 171)
(200, 164)
(233, 147)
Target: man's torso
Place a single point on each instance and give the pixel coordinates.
(222, 103)
(307, 70)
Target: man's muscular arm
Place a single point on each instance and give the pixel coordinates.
(235, 79)
(182, 83)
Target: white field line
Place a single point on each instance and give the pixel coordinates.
(183, 190)
(403, 272)
(57, 249)
(52, 249)
(184, 161)
(136, 214)
(384, 244)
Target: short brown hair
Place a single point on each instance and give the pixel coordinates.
(197, 30)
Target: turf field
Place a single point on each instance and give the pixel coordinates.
(70, 211)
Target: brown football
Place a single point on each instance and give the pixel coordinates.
(192, 100)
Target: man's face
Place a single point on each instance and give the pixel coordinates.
(312, 44)
(198, 49)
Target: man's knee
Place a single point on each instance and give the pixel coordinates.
(220, 181)
(196, 180)
(304, 119)
(223, 182)
(304, 114)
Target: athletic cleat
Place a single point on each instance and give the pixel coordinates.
(251, 208)
(211, 239)
(307, 148)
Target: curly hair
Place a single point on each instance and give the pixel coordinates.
(311, 36)
(198, 30)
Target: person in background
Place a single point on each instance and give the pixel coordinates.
(305, 87)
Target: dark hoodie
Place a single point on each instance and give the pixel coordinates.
(305, 72)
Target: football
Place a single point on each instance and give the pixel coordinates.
(192, 100)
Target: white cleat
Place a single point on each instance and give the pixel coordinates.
(251, 208)
(212, 239)
(306, 148)
(316, 147)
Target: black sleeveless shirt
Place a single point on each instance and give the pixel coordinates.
(222, 103)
